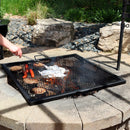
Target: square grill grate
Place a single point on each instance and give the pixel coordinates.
(82, 77)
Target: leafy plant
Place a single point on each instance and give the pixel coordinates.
(107, 16)
(2, 12)
(77, 14)
(74, 10)
(4, 21)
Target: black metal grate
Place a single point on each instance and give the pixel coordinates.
(83, 77)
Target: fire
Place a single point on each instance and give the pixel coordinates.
(50, 81)
(61, 82)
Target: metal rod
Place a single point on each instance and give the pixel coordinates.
(120, 45)
(121, 34)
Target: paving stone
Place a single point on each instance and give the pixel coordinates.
(55, 115)
(9, 90)
(13, 113)
(50, 52)
(3, 78)
(96, 114)
(5, 88)
(118, 97)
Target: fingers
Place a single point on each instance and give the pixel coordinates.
(18, 52)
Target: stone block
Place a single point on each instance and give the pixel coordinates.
(55, 115)
(52, 32)
(96, 114)
(13, 113)
(110, 35)
(118, 97)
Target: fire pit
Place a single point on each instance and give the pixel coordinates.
(78, 75)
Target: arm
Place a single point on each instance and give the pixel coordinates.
(13, 48)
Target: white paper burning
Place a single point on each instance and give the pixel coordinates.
(54, 71)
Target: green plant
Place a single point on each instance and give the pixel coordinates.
(77, 14)
(41, 10)
(4, 21)
(39, 13)
(17, 7)
(31, 17)
(2, 12)
(74, 10)
(107, 16)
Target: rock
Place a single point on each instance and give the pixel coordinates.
(110, 35)
(86, 36)
(19, 32)
(53, 32)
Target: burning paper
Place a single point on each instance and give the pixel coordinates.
(54, 71)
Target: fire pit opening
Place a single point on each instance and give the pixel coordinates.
(57, 77)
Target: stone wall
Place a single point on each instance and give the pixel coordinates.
(109, 37)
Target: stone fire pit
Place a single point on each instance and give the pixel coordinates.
(108, 108)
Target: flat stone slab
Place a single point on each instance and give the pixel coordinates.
(118, 97)
(104, 109)
(56, 115)
(13, 113)
(96, 114)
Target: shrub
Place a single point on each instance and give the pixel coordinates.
(107, 16)
(2, 12)
(77, 14)
(74, 10)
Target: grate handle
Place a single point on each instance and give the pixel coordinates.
(37, 60)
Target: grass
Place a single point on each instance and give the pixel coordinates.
(74, 10)
(17, 7)
(39, 12)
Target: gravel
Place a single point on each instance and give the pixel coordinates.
(85, 39)
(19, 32)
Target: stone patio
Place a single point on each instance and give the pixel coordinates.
(107, 109)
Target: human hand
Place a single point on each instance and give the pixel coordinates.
(13, 48)
(16, 50)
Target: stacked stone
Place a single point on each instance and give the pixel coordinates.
(19, 32)
(85, 39)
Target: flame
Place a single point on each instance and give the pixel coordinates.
(61, 82)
